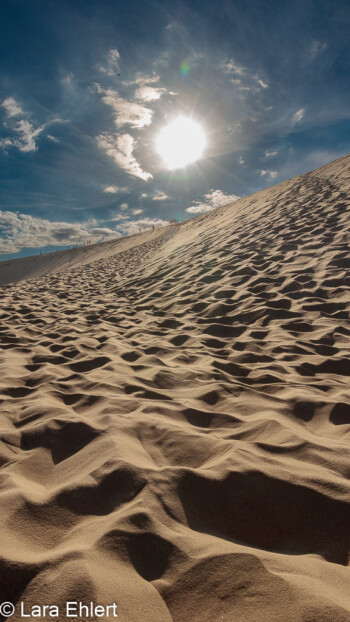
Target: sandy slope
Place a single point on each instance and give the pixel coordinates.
(15, 270)
(176, 418)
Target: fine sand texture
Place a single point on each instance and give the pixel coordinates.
(175, 416)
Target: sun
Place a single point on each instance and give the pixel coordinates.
(181, 142)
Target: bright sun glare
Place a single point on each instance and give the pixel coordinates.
(181, 142)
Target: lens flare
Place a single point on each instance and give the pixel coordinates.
(184, 69)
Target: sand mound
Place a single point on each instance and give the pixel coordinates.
(176, 416)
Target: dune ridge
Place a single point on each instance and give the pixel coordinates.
(176, 416)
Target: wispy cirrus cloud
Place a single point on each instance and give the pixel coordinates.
(125, 112)
(298, 116)
(316, 48)
(141, 79)
(243, 79)
(23, 133)
(120, 148)
(212, 200)
(120, 217)
(231, 66)
(111, 68)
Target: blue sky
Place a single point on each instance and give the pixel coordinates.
(266, 79)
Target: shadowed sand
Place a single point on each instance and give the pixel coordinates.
(175, 416)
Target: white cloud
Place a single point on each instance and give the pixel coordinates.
(19, 231)
(112, 68)
(27, 135)
(212, 200)
(124, 206)
(120, 148)
(271, 174)
(114, 189)
(125, 112)
(199, 208)
(270, 154)
(67, 78)
(12, 108)
(134, 226)
(135, 212)
(232, 67)
(105, 232)
(160, 196)
(53, 138)
(298, 116)
(6, 142)
(120, 217)
(241, 161)
(263, 84)
(316, 48)
(149, 93)
(24, 133)
(141, 79)
(243, 79)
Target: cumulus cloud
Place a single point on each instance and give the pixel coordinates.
(18, 231)
(120, 148)
(212, 200)
(124, 206)
(270, 154)
(298, 116)
(125, 112)
(11, 107)
(135, 212)
(160, 196)
(135, 226)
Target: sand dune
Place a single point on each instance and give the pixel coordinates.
(176, 416)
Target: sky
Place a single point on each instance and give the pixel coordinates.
(87, 86)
